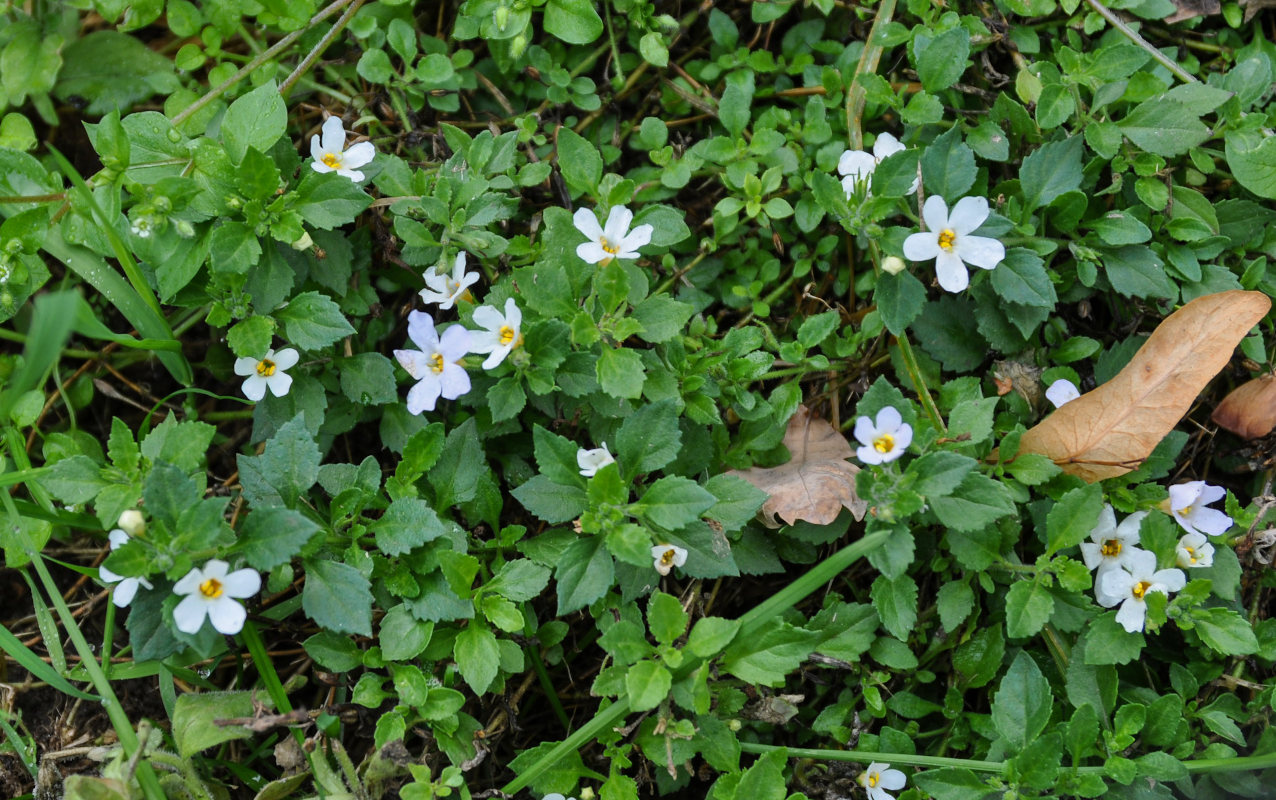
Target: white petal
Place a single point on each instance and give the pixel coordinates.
(106, 576)
(885, 147)
(1183, 495)
(592, 252)
(359, 155)
(968, 214)
(1091, 554)
(424, 394)
(245, 366)
(889, 420)
(638, 237)
(869, 455)
(1209, 520)
(856, 165)
(316, 150)
(1142, 564)
(498, 355)
(255, 388)
(489, 317)
(1172, 579)
(618, 221)
(454, 344)
(679, 555)
(242, 583)
(413, 361)
(587, 223)
(922, 246)
(286, 358)
(1128, 531)
(279, 383)
(118, 538)
(125, 592)
(484, 341)
(1111, 586)
(1210, 493)
(1062, 392)
(455, 381)
(935, 213)
(189, 614)
(334, 135)
(979, 251)
(1106, 526)
(319, 166)
(421, 331)
(903, 437)
(227, 615)
(190, 582)
(513, 314)
(892, 779)
(353, 174)
(951, 272)
(865, 432)
(1132, 615)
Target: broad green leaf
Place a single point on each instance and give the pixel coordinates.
(579, 161)
(573, 21)
(584, 573)
(1028, 609)
(271, 536)
(477, 657)
(896, 604)
(337, 597)
(943, 61)
(1072, 517)
(674, 502)
(976, 502)
(195, 716)
(312, 321)
(1164, 128)
(647, 684)
(1021, 706)
(257, 119)
(1049, 171)
(649, 438)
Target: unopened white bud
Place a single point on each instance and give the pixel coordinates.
(132, 522)
(893, 265)
(304, 243)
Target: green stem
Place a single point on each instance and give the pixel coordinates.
(317, 50)
(856, 94)
(551, 694)
(1133, 35)
(919, 383)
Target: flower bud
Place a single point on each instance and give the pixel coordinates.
(304, 243)
(893, 265)
(132, 522)
(501, 17)
(517, 45)
(1250, 410)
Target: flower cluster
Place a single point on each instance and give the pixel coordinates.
(857, 166)
(1125, 574)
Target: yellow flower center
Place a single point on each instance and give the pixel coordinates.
(884, 443)
(211, 588)
(608, 247)
(332, 160)
(1111, 547)
(265, 368)
(436, 363)
(873, 780)
(946, 238)
(1185, 511)
(1191, 554)
(507, 335)
(1140, 589)
(666, 558)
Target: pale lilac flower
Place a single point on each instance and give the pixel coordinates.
(857, 166)
(590, 461)
(446, 289)
(501, 332)
(1112, 546)
(882, 440)
(878, 778)
(948, 241)
(436, 366)
(1194, 550)
(1062, 392)
(126, 588)
(330, 154)
(1131, 588)
(615, 240)
(1188, 503)
(267, 372)
(668, 556)
(211, 592)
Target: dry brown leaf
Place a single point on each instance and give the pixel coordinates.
(1188, 9)
(1249, 411)
(1111, 430)
(817, 482)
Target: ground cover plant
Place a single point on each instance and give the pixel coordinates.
(549, 398)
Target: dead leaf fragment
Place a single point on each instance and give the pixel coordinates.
(817, 482)
(1188, 9)
(1112, 429)
(1249, 411)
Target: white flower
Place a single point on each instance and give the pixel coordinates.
(1111, 545)
(501, 332)
(880, 777)
(1062, 392)
(1194, 550)
(141, 227)
(436, 366)
(1131, 588)
(1188, 503)
(210, 592)
(446, 290)
(885, 440)
(857, 166)
(267, 373)
(948, 241)
(127, 587)
(667, 557)
(613, 241)
(590, 461)
(556, 796)
(330, 155)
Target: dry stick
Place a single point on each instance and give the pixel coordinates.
(1133, 35)
(871, 56)
(317, 50)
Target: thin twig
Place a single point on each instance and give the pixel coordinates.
(1133, 35)
(317, 50)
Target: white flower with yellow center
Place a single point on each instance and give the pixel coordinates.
(614, 240)
(1111, 546)
(1193, 551)
(1062, 392)
(330, 154)
(125, 588)
(882, 440)
(501, 332)
(879, 778)
(211, 592)
(1131, 586)
(1187, 504)
(948, 240)
(267, 372)
(590, 461)
(668, 556)
(437, 365)
(446, 289)
(857, 166)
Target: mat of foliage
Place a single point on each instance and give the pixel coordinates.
(634, 398)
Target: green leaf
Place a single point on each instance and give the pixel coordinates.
(1252, 161)
(550, 501)
(76, 480)
(460, 467)
(573, 21)
(333, 651)
(581, 165)
(674, 502)
(944, 332)
(1225, 631)
(976, 502)
(621, 373)
(953, 783)
(649, 438)
(738, 501)
(1107, 642)
(477, 657)
(519, 580)
(585, 572)
(955, 602)
(710, 634)
(665, 617)
(1072, 517)
(647, 684)
(1049, 171)
(1021, 277)
(653, 49)
(771, 655)
(367, 379)
(403, 636)
(943, 61)
(1136, 271)
(409, 522)
(896, 604)
(900, 299)
(328, 200)
(1164, 128)
(257, 119)
(111, 70)
(272, 536)
(948, 165)
(1119, 228)
(669, 224)
(337, 597)
(312, 321)
(291, 460)
(1021, 706)
(1028, 608)
(195, 717)
(662, 318)
(737, 99)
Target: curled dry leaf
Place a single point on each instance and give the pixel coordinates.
(1111, 430)
(1249, 411)
(817, 482)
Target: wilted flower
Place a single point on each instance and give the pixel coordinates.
(446, 290)
(667, 557)
(436, 366)
(1062, 392)
(125, 588)
(501, 332)
(1187, 504)
(948, 241)
(1194, 550)
(1112, 545)
(857, 166)
(330, 155)
(1131, 588)
(267, 372)
(613, 241)
(590, 461)
(884, 440)
(880, 777)
(210, 593)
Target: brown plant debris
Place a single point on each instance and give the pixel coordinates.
(1249, 411)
